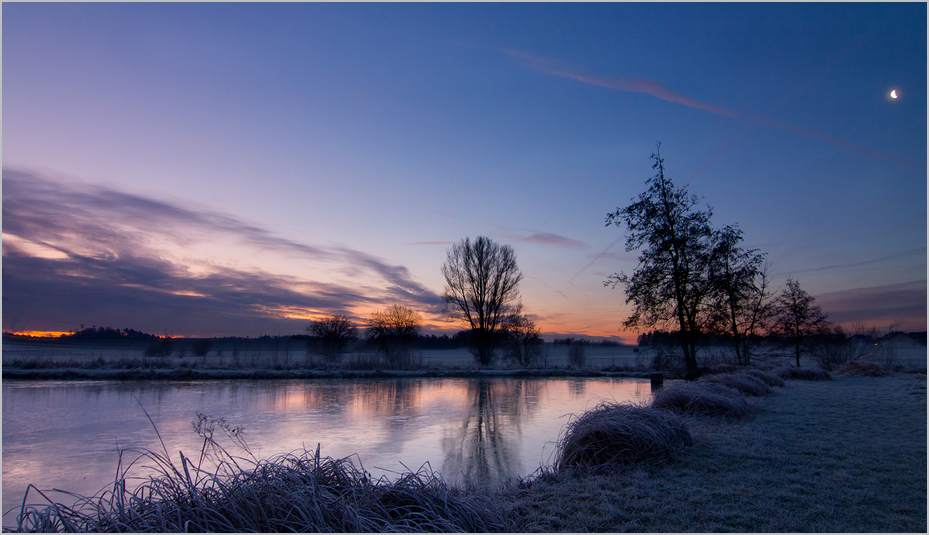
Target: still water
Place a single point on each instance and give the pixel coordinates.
(66, 435)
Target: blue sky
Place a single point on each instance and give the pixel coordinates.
(220, 169)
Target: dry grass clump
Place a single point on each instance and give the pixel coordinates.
(706, 398)
(769, 378)
(622, 434)
(862, 369)
(295, 492)
(804, 374)
(742, 382)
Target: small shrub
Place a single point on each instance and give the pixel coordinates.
(622, 434)
(769, 378)
(161, 348)
(803, 374)
(706, 398)
(863, 369)
(201, 347)
(742, 382)
(577, 355)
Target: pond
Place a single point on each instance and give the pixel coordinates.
(66, 435)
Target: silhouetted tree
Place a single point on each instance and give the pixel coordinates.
(334, 333)
(797, 319)
(742, 304)
(481, 290)
(672, 282)
(525, 340)
(394, 329)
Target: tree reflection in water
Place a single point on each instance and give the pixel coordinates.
(483, 450)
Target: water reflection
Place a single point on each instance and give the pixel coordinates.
(65, 434)
(483, 448)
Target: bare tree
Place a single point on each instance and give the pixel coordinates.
(481, 290)
(671, 283)
(796, 317)
(395, 329)
(525, 340)
(334, 333)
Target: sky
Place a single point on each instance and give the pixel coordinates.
(242, 169)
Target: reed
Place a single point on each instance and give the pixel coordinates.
(701, 398)
(622, 434)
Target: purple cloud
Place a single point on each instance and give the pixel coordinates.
(112, 264)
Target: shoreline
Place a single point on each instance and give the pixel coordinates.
(193, 374)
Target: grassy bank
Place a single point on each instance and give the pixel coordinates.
(847, 455)
(843, 455)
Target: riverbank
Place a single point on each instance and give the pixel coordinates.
(847, 455)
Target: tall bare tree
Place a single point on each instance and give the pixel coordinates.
(671, 283)
(797, 318)
(482, 291)
(395, 329)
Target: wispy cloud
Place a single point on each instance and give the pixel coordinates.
(540, 237)
(547, 238)
(919, 252)
(656, 89)
(79, 251)
(903, 304)
(629, 84)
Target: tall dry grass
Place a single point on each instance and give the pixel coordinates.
(862, 369)
(703, 398)
(295, 492)
(769, 378)
(622, 434)
(803, 374)
(743, 382)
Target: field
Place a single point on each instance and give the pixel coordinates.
(847, 455)
(277, 354)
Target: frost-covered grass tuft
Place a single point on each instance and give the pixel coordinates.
(622, 434)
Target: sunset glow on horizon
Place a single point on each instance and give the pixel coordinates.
(242, 169)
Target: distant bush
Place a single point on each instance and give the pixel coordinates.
(803, 374)
(710, 399)
(742, 382)
(202, 347)
(863, 369)
(160, 348)
(622, 434)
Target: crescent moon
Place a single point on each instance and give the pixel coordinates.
(893, 94)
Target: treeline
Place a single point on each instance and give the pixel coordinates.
(458, 340)
(108, 333)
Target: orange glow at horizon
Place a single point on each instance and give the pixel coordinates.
(41, 334)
